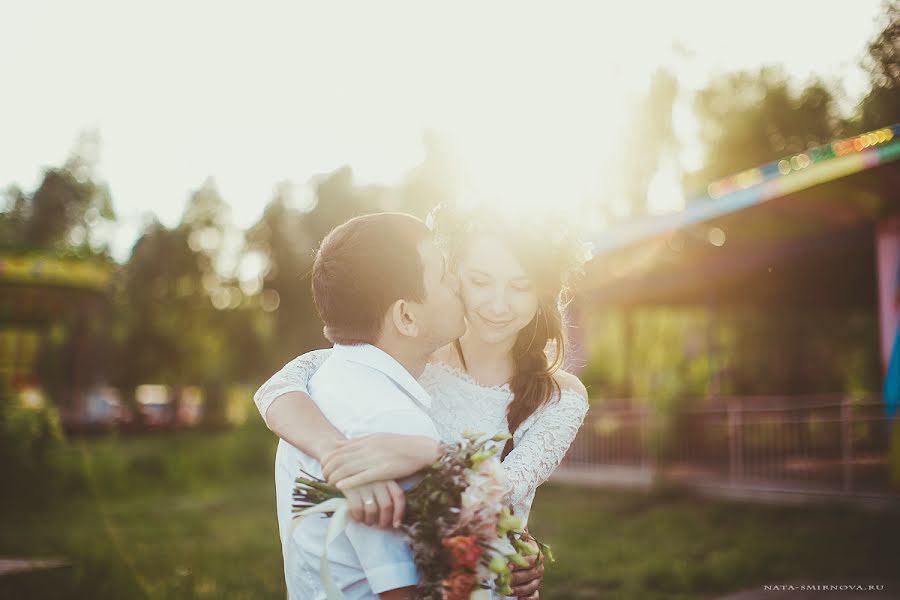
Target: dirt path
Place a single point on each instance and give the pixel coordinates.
(8, 566)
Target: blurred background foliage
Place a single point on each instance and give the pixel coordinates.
(204, 304)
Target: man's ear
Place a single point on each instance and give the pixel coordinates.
(403, 318)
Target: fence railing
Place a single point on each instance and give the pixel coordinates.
(807, 443)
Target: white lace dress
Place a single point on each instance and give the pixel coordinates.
(461, 404)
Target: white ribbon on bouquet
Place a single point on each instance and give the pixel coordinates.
(336, 526)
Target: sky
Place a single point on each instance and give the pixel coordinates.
(254, 94)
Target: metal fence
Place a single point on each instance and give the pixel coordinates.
(811, 443)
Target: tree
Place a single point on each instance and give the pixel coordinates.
(65, 209)
(881, 106)
(13, 217)
(748, 118)
(281, 238)
(339, 199)
(287, 239)
(60, 219)
(651, 136)
(169, 331)
(436, 180)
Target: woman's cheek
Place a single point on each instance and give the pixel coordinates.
(526, 306)
(470, 297)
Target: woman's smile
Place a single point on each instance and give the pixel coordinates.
(495, 322)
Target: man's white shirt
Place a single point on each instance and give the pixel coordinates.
(360, 390)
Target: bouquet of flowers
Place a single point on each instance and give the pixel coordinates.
(462, 534)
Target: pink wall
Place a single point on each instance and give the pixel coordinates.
(887, 248)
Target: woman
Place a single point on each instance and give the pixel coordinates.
(497, 378)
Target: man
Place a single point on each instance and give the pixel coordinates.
(383, 291)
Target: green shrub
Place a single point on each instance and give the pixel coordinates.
(30, 440)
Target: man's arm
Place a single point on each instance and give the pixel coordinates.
(284, 404)
(296, 419)
(378, 456)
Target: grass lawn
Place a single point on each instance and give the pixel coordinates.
(612, 544)
(191, 515)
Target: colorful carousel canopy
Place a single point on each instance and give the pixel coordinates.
(772, 234)
(40, 288)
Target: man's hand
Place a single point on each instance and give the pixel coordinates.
(378, 457)
(378, 504)
(407, 593)
(527, 580)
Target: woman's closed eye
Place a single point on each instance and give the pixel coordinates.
(519, 287)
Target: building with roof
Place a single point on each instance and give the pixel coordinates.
(773, 299)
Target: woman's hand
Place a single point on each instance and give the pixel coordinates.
(378, 504)
(378, 457)
(526, 581)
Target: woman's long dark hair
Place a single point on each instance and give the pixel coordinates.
(533, 383)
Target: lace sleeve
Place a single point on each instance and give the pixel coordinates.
(543, 444)
(293, 377)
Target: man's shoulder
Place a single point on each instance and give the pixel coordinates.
(363, 399)
(337, 370)
(341, 378)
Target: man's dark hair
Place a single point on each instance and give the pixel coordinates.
(362, 268)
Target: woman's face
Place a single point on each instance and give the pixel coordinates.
(500, 298)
